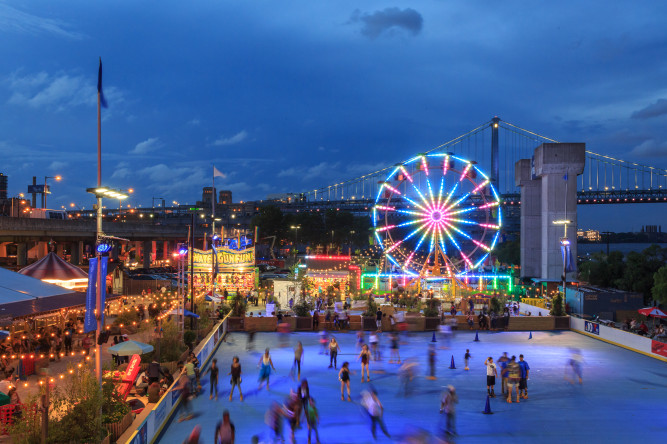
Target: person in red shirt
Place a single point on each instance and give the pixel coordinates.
(643, 328)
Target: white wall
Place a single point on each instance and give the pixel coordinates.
(534, 311)
(640, 344)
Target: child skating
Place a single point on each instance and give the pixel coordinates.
(235, 381)
(344, 378)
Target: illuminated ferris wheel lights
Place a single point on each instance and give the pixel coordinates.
(407, 175)
(379, 207)
(480, 186)
(465, 172)
(425, 165)
(481, 245)
(495, 227)
(393, 247)
(385, 184)
(489, 205)
(385, 228)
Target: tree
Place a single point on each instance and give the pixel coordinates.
(509, 252)
(659, 290)
(270, 221)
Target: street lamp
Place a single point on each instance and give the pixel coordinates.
(120, 200)
(45, 188)
(99, 193)
(564, 243)
(296, 238)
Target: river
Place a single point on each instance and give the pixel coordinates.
(624, 248)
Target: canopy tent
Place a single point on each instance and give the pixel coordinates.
(128, 348)
(55, 270)
(187, 313)
(24, 296)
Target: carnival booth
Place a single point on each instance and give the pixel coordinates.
(324, 271)
(233, 270)
(52, 269)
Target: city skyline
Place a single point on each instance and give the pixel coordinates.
(294, 98)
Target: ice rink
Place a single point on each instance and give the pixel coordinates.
(623, 397)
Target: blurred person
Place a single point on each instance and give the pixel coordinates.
(406, 374)
(360, 339)
(375, 349)
(184, 387)
(365, 357)
(432, 356)
(448, 403)
(193, 437)
(502, 363)
(344, 378)
(313, 419)
(395, 355)
(214, 371)
(491, 373)
(513, 372)
(574, 365)
(378, 319)
(224, 430)
(323, 342)
(466, 359)
(189, 369)
(265, 365)
(374, 409)
(296, 365)
(274, 419)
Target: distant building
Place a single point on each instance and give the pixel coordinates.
(589, 235)
(651, 228)
(208, 196)
(225, 197)
(3, 187)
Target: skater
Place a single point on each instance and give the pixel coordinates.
(574, 364)
(373, 407)
(513, 372)
(224, 430)
(523, 382)
(375, 350)
(394, 349)
(448, 407)
(313, 419)
(274, 419)
(266, 365)
(250, 343)
(491, 374)
(298, 355)
(333, 353)
(431, 361)
(323, 342)
(235, 381)
(378, 319)
(365, 357)
(406, 374)
(344, 378)
(292, 409)
(502, 362)
(214, 379)
(466, 358)
(360, 340)
(184, 387)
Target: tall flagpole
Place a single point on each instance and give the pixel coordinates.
(98, 290)
(213, 250)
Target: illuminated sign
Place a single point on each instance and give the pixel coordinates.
(227, 259)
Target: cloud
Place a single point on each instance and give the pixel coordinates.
(122, 171)
(147, 146)
(387, 21)
(11, 19)
(650, 148)
(194, 122)
(57, 165)
(656, 109)
(236, 138)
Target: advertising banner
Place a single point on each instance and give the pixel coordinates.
(89, 321)
(659, 348)
(227, 259)
(591, 327)
(130, 375)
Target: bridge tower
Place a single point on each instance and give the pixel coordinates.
(495, 168)
(548, 184)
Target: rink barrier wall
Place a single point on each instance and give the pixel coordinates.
(621, 338)
(153, 425)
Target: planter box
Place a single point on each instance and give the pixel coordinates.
(529, 323)
(235, 323)
(304, 323)
(369, 323)
(562, 322)
(106, 440)
(431, 323)
(261, 323)
(355, 322)
(118, 428)
(291, 321)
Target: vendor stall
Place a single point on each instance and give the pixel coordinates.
(233, 270)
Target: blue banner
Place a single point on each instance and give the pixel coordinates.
(568, 261)
(89, 322)
(592, 327)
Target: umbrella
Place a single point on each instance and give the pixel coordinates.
(654, 312)
(185, 313)
(129, 348)
(217, 298)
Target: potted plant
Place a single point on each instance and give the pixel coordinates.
(561, 320)
(369, 316)
(301, 309)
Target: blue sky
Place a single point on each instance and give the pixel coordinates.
(290, 96)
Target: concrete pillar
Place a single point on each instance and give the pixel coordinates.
(154, 251)
(60, 249)
(21, 254)
(147, 250)
(166, 251)
(553, 163)
(75, 254)
(531, 217)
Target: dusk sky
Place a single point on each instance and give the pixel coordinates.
(294, 95)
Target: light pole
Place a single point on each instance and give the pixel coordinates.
(100, 192)
(296, 239)
(565, 244)
(57, 178)
(120, 200)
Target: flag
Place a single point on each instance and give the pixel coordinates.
(90, 321)
(218, 173)
(568, 261)
(565, 177)
(103, 101)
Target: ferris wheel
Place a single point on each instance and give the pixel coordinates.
(437, 215)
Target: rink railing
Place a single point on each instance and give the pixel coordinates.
(621, 338)
(161, 414)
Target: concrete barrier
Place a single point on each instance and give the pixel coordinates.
(621, 338)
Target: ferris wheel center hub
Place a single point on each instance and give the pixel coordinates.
(436, 215)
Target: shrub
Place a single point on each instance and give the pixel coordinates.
(238, 305)
(431, 309)
(171, 344)
(557, 306)
(189, 338)
(302, 308)
(371, 309)
(126, 318)
(496, 305)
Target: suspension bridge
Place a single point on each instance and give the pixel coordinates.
(496, 146)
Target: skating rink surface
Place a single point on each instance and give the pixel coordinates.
(623, 397)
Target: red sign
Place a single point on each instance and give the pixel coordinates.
(659, 348)
(130, 375)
